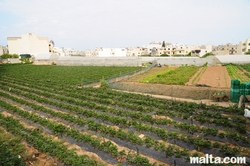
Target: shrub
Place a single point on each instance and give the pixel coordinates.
(164, 55)
(247, 53)
(5, 56)
(103, 84)
(207, 54)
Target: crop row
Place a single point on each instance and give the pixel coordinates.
(126, 100)
(200, 116)
(65, 75)
(235, 73)
(163, 135)
(44, 143)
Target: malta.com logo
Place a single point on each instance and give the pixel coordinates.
(210, 159)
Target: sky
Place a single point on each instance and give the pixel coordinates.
(87, 24)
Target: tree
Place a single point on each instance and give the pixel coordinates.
(163, 44)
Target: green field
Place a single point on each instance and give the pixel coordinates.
(65, 75)
(172, 76)
(120, 128)
(239, 72)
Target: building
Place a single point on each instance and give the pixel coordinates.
(201, 50)
(111, 52)
(228, 49)
(30, 44)
(156, 49)
(90, 53)
(244, 46)
(3, 50)
(137, 51)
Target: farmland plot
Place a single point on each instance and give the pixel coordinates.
(172, 76)
(235, 72)
(215, 76)
(121, 128)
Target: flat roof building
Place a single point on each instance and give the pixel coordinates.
(29, 44)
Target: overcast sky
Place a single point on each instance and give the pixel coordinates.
(87, 24)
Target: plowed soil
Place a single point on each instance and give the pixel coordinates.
(216, 76)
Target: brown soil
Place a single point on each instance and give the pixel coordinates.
(196, 77)
(216, 76)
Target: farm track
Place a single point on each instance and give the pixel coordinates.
(53, 100)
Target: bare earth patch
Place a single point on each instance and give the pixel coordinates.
(216, 76)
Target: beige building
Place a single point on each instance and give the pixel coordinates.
(30, 44)
(3, 50)
(244, 46)
(137, 51)
(228, 49)
(201, 50)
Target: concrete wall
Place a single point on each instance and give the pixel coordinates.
(10, 60)
(178, 61)
(137, 61)
(99, 61)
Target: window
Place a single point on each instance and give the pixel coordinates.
(249, 44)
(179, 51)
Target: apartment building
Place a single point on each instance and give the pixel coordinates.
(30, 44)
(244, 46)
(90, 53)
(137, 51)
(111, 52)
(228, 49)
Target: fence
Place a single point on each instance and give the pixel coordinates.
(125, 76)
(196, 93)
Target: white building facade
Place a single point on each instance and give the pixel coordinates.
(244, 46)
(111, 52)
(29, 44)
